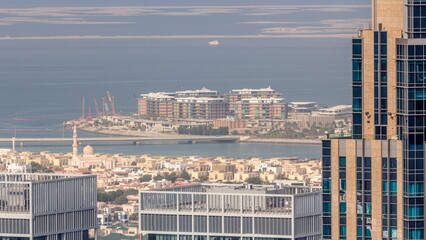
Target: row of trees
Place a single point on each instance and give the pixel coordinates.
(116, 197)
(292, 131)
(203, 130)
(37, 168)
(168, 176)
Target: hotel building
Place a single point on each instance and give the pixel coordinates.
(231, 212)
(374, 183)
(47, 206)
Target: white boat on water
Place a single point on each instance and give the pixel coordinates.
(214, 43)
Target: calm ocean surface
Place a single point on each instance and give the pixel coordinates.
(234, 150)
(42, 81)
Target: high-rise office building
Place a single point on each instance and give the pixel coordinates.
(47, 206)
(230, 212)
(374, 183)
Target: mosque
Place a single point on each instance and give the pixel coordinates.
(89, 159)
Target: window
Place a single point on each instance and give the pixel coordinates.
(342, 161)
(326, 184)
(326, 206)
(342, 207)
(415, 212)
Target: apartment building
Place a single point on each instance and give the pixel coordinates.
(259, 108)
(191, 104)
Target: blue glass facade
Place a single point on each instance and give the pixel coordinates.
(380, 85)
(408, 58)
(389, 197)
(326, 187)
(411, 110)
(357, 88)
(416, 24)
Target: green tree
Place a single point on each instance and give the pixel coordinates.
(134, 217)
(254, 180)
(171, 177)
(130, 191)
(223, 131)
(158, 177)
(35, 167)
(120, 200)
(281, 177)
(103, 196)
(204, 178)
(185, 175)
(145, 178)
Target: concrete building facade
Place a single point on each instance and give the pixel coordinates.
(235, 212)
(47, 206)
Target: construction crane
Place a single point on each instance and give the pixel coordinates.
(82, 108)
(98, 113)
(111, 102)
(108, 104)
(89, 114)
(105, 108)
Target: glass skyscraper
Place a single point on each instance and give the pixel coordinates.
(374, 183)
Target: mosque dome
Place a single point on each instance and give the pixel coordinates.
(88, 150)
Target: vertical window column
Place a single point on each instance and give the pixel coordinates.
(357, 88)
(326, 180)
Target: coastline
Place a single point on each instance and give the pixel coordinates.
(120, 133)
(286, 141)
(244, 139)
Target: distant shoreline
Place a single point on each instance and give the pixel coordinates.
(286, 141)
(120, 133)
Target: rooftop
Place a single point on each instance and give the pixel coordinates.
(303, 103)
(262, 100)
(158, 95)
(203, 90)
(268, 89)
(35, 177)
(337, 108)
(199, 99)
(239, 189)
